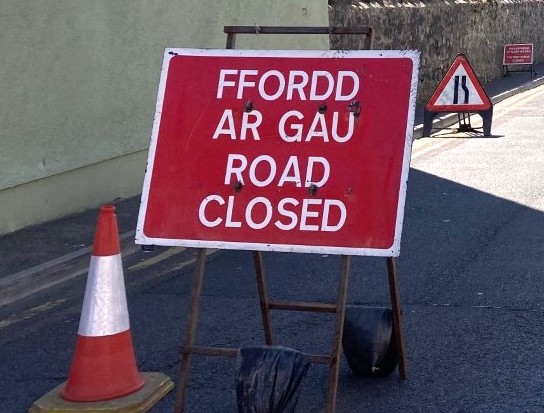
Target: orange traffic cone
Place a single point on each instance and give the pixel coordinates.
(104, 365)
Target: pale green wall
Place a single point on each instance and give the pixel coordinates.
(78, 83)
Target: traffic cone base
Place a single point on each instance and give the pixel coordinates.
(97, 358)
(157, 385)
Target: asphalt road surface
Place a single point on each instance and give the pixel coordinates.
(471, 283)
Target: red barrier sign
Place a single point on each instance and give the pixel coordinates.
(518, 54)
(301, 151)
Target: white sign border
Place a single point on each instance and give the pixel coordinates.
(392, 251)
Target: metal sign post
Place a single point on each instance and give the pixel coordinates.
(295, 137)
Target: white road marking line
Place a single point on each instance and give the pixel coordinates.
(31, 312)
(184, 264)
(170, 252)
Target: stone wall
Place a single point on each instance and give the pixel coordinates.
(442, 29)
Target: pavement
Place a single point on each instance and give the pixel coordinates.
(40, 256)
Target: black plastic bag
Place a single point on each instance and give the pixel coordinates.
(369, 342)
(268, 379)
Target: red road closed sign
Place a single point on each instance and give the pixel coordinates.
(302, 151)
(518, 54)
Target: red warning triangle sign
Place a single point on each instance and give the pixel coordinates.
(459, 91)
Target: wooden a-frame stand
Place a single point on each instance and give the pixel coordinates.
(266, 303)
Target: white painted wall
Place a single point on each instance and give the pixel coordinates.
(78, 83)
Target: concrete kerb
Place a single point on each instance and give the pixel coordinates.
(41, 277)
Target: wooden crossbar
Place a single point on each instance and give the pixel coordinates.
(233, 352)
(302, 306)
(232, 31)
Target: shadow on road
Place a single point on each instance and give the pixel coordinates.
(470, 275)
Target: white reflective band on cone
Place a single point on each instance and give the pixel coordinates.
(105, 310)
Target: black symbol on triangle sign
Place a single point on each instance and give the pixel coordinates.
(456, 89)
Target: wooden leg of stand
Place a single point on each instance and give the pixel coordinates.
(338, 333)
(397, 316)
(190, 330)
(263, 297)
